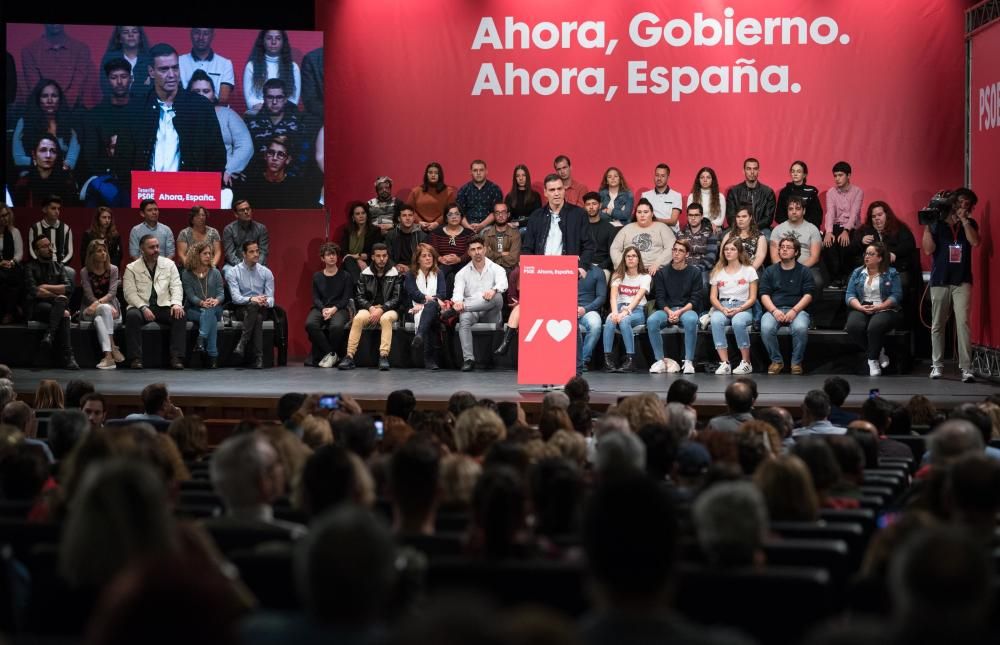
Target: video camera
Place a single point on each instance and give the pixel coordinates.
(938, 208)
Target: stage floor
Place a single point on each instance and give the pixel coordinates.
(501, 385)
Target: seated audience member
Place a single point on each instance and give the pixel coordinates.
(202, 57)
(733, 296)
(666, 201)
(788, 489)
(874, 294)
(706, 194)
(278, 118)
(752, 191)
(826, 474)
(46, 112)
(653, 239)
(425, 286)
(850, 456)
(66, 428)
(498, 529)
(11, 272)
(400, 404)
(204, 295)
(383, 208)
(478, 297)
(786, 289)
(602, 233)
(191, 437)
(808, 237)
(251, 288)
(198, 230)
(815, 416)
(682, 391)
(633, 583)
(235, 135)
(359, 237)
(100, 137)
(102, 227)
(617, 200)
(882, 225)
(99, 280)
(331, 290)
(248, 475)
(557, 492)
(48, 289)
(413, 487)
(153, 292)
(739, 402)
(522, 200)
(156, 405)
(95, 406)
(514, 318)
(502, 239)
(241, 231)
(345, 570)
(333, 476)
(451, 241)
(730, 520)
(591, 294)
(797, 187)
(842, 218)
(431, 197)
(377, 297)
(744, 230)
(49, 396)
(560, 227)
(679, 293)
(270, 57)
(74, 391)
(703, 238)
(402, 240)
(270, 184)
(477, 197)
(150, 225)
(46, 178)
(629, 285)
(58, 233)
(838, 389)
(19, 415)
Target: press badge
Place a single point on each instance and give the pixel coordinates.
(954, 253)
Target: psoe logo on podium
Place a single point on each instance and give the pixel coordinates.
(547, 346)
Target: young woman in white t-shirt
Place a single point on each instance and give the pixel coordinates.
(629, 286)
(706, 192)
(733, 294)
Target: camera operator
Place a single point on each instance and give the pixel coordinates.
(949, 242)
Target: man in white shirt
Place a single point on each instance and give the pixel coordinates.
(666, 201)
(478, 296)
(153, 292)
(203, 57)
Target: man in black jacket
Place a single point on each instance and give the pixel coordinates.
(402, 240)
(377, 300)
(49, 288)
(169, 129)
(571, 221)
(751, 191)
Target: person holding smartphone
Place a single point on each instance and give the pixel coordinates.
(874, 293)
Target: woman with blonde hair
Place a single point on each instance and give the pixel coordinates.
(99, 279)
(733, 294)
(48, 395)
(629, 285)
(426, 286)
(788, 489)
(203, 299)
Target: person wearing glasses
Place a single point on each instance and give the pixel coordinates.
(278, 118)
(274, 186)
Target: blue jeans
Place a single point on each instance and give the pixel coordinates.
(588, 329)
(689, 321)
(800, 336)
(740, 322)
(628, 337)
(208, 325)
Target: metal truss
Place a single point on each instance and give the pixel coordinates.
(981, 15)
(986, 362)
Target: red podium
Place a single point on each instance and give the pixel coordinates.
(547, 339)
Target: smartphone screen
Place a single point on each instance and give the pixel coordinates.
(379, 429)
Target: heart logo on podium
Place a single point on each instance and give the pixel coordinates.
(558, 329)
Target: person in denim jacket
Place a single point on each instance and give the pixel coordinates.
(617, 200)
(874, 293)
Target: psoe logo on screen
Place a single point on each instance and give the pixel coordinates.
(989, 107)
(528, 270)
(145, 193)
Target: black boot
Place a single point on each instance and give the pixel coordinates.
(69, 361)
(509, 336)
(609, 362)
(46, 343)
(240, 349)
(199, 345)
(626, 365)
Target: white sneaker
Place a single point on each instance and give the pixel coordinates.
(659, 367)
(724, 368)
(743, 368)
(968, 376)
(883, 360)
(107, 363)
(705, 320)
(936, 372)
(874, 369)
(329, 360)
(688, 367)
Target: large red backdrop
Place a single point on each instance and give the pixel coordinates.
(985, 162)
